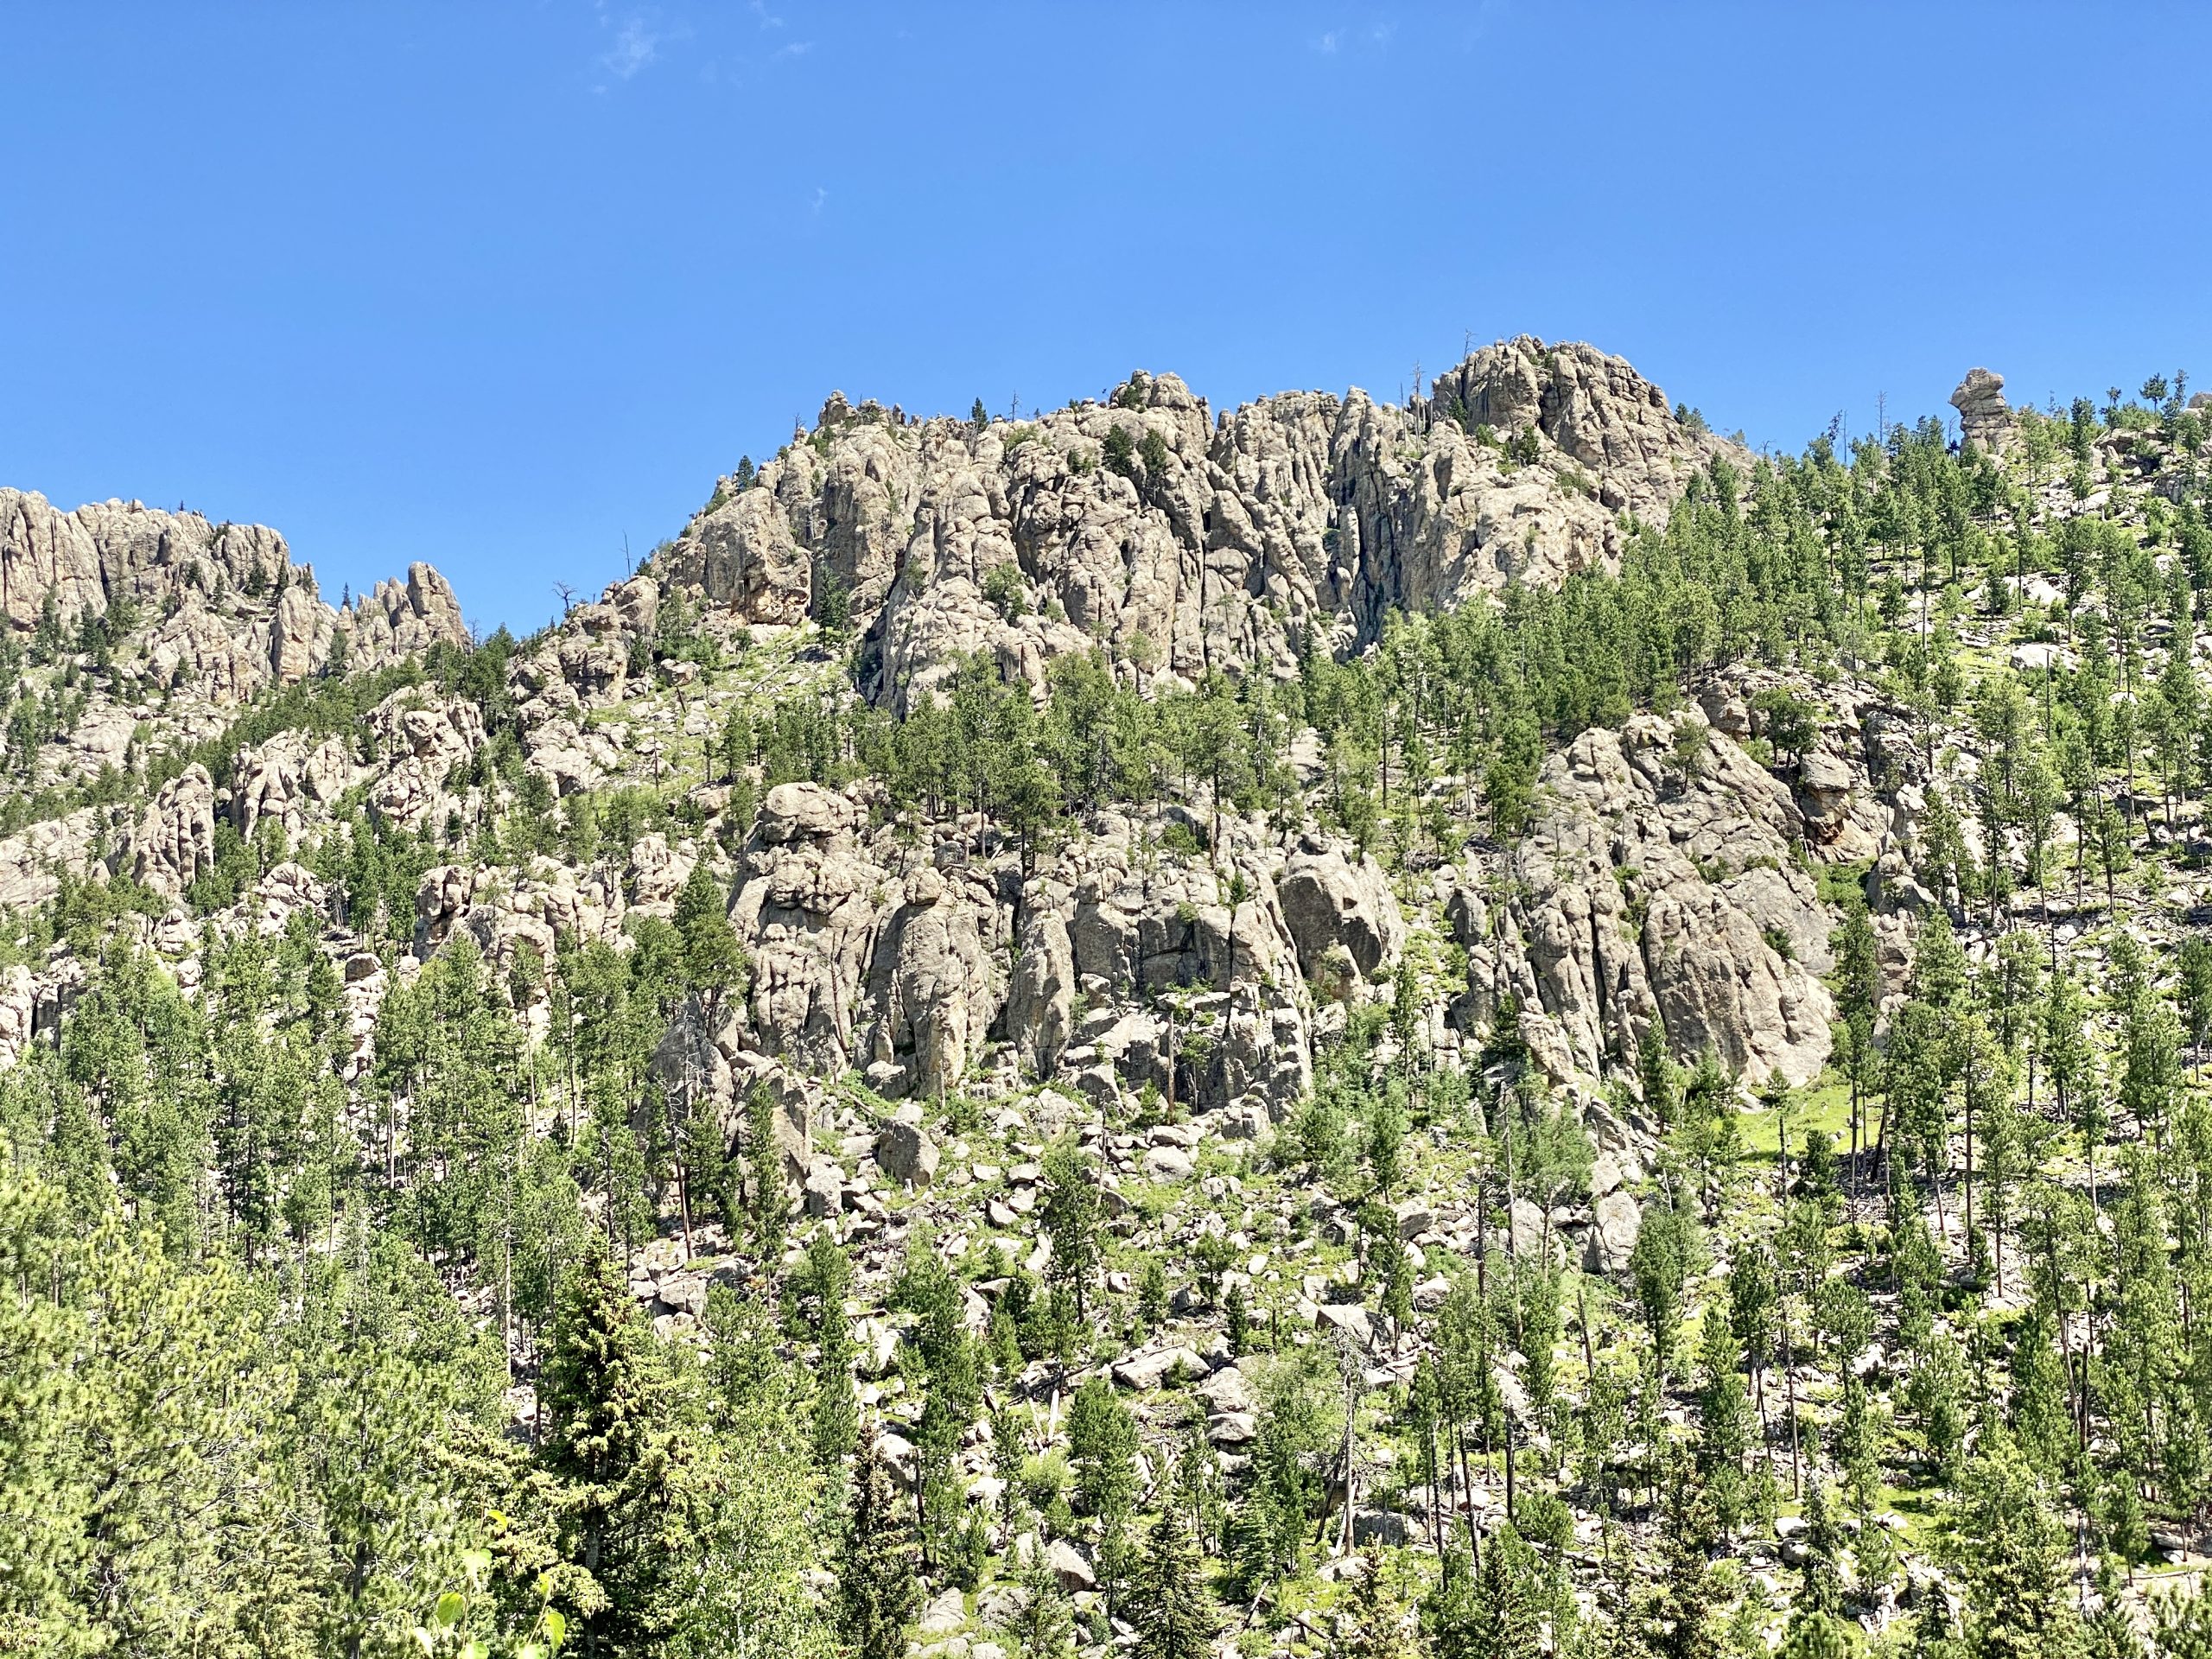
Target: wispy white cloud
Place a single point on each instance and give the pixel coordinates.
(767, 18)
(1369, 37)
(637, 43)
(821, 199)
(794, 49)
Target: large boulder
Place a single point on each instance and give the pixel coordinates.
(1040, 997)
(175, 837)
(804, 812)
(905, 1151)
(1329, 899)
(1620, 1222)
(935, 984)
(1984, 417)
(1647, 892)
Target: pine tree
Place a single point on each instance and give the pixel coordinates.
(1168, 1603)
(818, 1288)
(1373, 1626)
(1493, 1609)
(1682, 1622)
(2007, 1549)
(1815, 1635)
(1043, 1626)
(1238, 1318)
(714, 961)
(877, 1591)
(1072, 1215)
(612, 1441)
(770, 1198)
(1102, 1440)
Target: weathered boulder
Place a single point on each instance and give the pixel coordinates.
(935, 982)
(1646, 892)
(824, 1191)
(1983, 416)
(34, 858)
(1146, 1371)
(944, 1614)
(1069, 1565)
(175, 837)
(1167, 1164)
(1619, 1222)
(1347, 1320)
(905, 1153)
(1040, 997)
(1329, 900)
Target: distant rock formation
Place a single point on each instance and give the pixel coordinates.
(1187, 540)
(229, 611)
(1984, 417)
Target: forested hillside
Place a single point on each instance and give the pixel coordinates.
(1488, 1026)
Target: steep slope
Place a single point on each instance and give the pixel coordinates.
(1334, 974)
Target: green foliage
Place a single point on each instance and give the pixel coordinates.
(1101, 1441)
(1167, 1602)
(878, 1592)
(279, 1288)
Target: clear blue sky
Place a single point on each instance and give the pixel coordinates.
(499, 285)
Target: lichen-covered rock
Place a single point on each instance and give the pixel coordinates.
(1330, 899)
(34, 858)
(905, 1153)
(175, 837)
(1620, 1222)
(419, 744)
(1041, 995)
(1648, 890)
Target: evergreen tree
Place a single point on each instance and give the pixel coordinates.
(1168, 1602)
(1101, 1441)
(1043, 1626)
(1680, 1622)
(612, 1441)
(1071, 1219)
(877, 1591)
(768, 1197)
(1813, 1633)
(2007, 1547)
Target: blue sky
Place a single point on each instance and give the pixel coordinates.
(503, 285)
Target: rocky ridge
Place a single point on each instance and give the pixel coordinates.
(928, 1002)
(1166, 532)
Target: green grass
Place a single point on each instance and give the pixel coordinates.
(1825, 1105)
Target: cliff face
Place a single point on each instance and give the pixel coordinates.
(228, 611)
(1179, 538)
(1181, 542)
